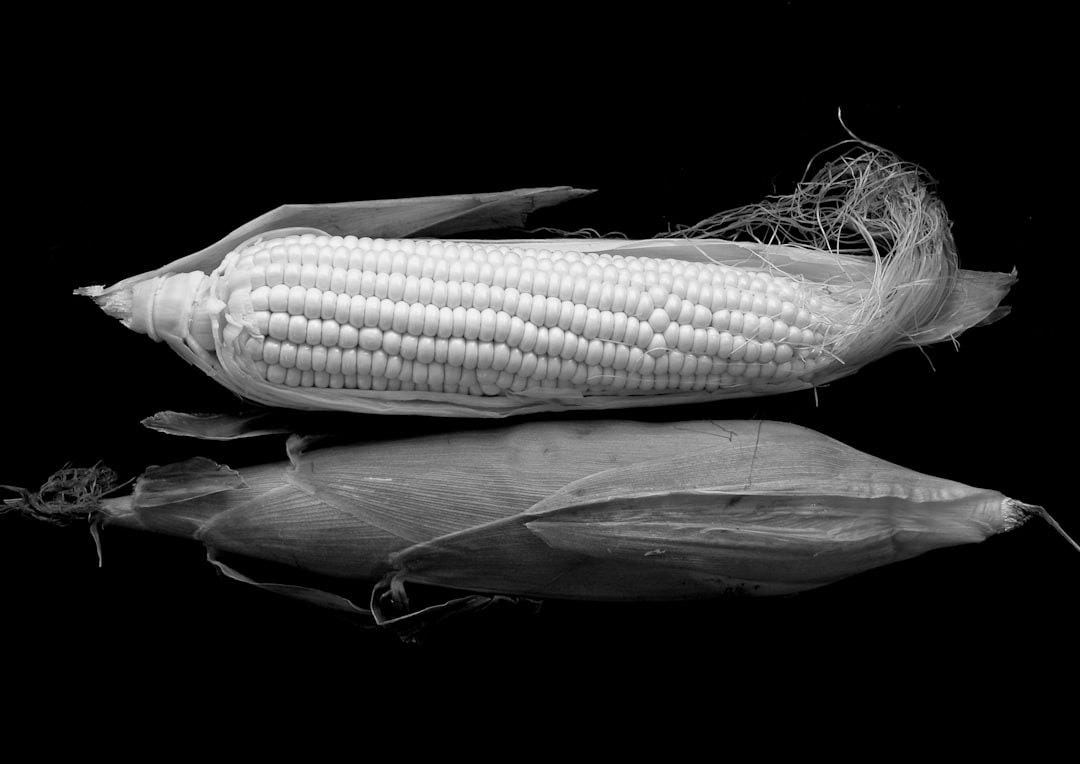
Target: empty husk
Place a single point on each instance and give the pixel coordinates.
(356, 307)
(598, 510)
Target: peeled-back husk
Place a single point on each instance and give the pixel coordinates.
(867, 229)
(597, 510)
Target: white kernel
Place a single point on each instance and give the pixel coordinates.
(552, 311)
(313, 303)
(765, 328)
(382, 285)
(341, 311)
(503, 322)
(455, 354)
(391, 343)
(709, 297)
(425, 349)
(395, 286)
(471, 354)
(297, 329)
(409, 344)
(556, 338)
(271, 351)
(673, 306)
(328, 305)
(278, 299)
(511, 298)
(500, 356)
(644, 337)
(279, 326)
(618, 329)
(379, 360)
(355, 283)
(529, 336)
(430, 322)
(370, 338)
(276, 374)
(481, 296)
(566, 315)
(287, 355)
(608, 356)
(659, 320)
(291, 274)
(314, 332)
(445, 325)
(750, 325)
(645, 306)
(275, 274)
(686, 338)
(461, 317)
(726, 346)
(415, 322)
(472, 323)
(260, 298)
(348, 336)
(333, 360)
(488, 320)
(297, 299)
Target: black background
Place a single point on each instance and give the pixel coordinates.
(132, 163)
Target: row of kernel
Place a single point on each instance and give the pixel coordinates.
(436, 378)
(424, 299)
(498, 357)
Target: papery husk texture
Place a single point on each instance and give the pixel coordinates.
(597, 510)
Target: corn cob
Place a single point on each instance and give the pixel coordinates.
(599, 510)
(306, 319)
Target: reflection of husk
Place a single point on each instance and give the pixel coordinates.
(866, 233)
(602, 510)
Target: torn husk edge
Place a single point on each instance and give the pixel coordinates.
(559, 510)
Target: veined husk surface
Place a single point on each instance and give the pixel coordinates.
(866, 232)
(596, 510)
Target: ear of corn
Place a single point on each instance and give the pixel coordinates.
(608, 510)
(307, 319)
